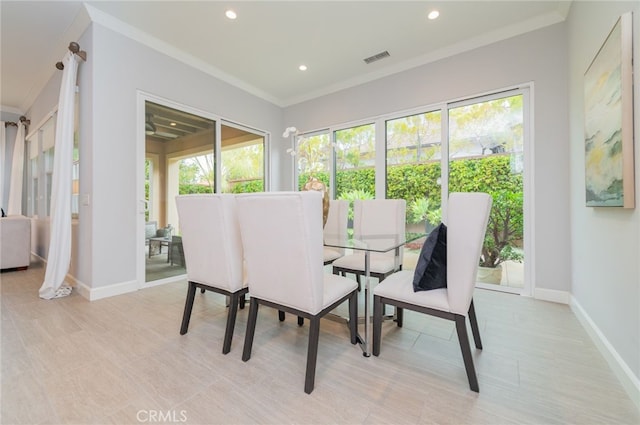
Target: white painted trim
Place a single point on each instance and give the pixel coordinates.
(552, 295)
(11, 110)
(114, 24)
(43, 121)
(111, 290)
(629, 381)
(79, 286)
(164, 281)
(448, 51)
(529, 190)
(93, 294)
(108, 21)
(517, 290)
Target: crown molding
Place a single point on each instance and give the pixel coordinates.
(135, 34)
(452, 50)
(79, 25)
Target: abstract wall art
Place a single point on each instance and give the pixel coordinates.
(608, 95)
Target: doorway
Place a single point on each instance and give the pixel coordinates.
(187, 151)
(179, 152)
(487, 137)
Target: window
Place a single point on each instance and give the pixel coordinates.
(313, 159)
(75, 171)
(355, 162)
(197, 174)
(475, 145)
(414, 152)
(32, 177)
(486, 154)
(48, 178)
(40, 147)
(243, 161)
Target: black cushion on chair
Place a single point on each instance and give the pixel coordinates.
(431, 271)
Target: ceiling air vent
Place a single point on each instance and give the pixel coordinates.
(376, 57)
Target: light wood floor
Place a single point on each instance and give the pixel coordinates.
(122, 361)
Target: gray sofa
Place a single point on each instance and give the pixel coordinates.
(15, 242)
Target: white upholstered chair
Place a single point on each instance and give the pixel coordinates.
(336, 226)
(467, 217)
(212, 252)
(374, 217)
(282, 239)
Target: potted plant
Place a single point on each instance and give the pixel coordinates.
(504, 233)
(423, 210)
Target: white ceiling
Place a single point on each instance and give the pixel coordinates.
(261, 50)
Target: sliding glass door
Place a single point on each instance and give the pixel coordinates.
(179, 159)
(243, 159)
(186, 151)
(476, 145)
(355, 162)
(486, 154)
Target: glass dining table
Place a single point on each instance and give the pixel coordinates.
(367, 244)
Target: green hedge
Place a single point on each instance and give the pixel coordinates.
(186, 189)
(412, 181)
(243, 187)
(415, 182)
(248, 187)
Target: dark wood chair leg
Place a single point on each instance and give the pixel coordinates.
(243, 300)
(353, 317)
(231, 322)
(399, 316)
(377, 324)
(251, 329)
(359, 284)
(202, 290)
(281, 315)
(463, 339)
(300, 321)
(312, 354)
(188, 306)
(474, 326)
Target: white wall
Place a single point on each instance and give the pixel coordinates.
(45, 103)
(605, 241)
(538, 56)
(120, 68)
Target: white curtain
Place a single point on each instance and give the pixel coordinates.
(60, 239)
(3, 147)
(17, 170)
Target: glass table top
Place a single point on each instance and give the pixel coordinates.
(371, 242)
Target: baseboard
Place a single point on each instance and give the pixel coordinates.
(93, 294)
(629, 381)
(164, 281)
(112, 290)
(552, 295)
(79, 286)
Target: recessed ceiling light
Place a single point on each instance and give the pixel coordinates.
(172, 124)
(302, 67)
(433, 14)
(230, 14)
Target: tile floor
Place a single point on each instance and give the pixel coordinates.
(121, 360)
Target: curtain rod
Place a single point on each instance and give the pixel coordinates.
(22, 119)
(75, 49)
